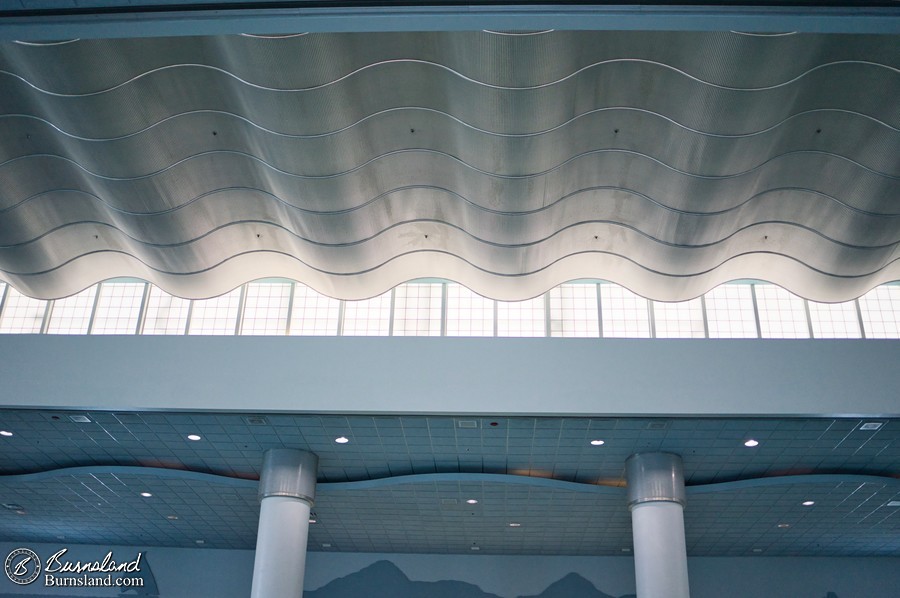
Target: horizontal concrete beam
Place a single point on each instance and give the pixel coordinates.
(616, 377)
(178, 18)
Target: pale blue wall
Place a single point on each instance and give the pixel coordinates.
(192, 573)
(454, 375)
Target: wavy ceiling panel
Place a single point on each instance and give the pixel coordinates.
(666, 162)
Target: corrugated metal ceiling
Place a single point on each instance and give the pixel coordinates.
(668, 162)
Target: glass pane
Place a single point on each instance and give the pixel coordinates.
(781, 313)
(729, 312)
(624, 313)
(521, 318)
(266, 308)
(165, 314)
(417, 309)
(314, 314)
(118, 308)
(370, 317)
(72, 315)
(834, 320)
(468, 314)
(573, 311)
(216, 316)
(679, 320)
(21, 314)
(880, 309)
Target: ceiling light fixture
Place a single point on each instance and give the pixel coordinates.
(893, 503)
(751, 443)
(194, 437)
(474, 548)
(515, 525)
(146, 494)
(5, 433)
(472, 501)
(808, 503)
(783, 525)
(626, 550)
(199, 541)
(757, 550)
(598, 442)
(871, 426)
(311, 520)
(342, 440)
(172, 517)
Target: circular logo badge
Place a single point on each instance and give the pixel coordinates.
(22, 566)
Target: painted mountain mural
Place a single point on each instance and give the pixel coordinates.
(384, 580)
(570, 586)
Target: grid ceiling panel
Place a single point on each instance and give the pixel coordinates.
(849, 518)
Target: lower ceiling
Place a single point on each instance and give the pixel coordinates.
(401, 483)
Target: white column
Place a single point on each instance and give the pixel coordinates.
(287, 492)
(656, 500)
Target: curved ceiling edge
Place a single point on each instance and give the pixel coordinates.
(179, 474)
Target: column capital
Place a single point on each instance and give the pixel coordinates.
(289, 472)
(654, 477)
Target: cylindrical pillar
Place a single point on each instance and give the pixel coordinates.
(287, 492)
(656, 500)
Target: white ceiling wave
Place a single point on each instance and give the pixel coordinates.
(666, 162)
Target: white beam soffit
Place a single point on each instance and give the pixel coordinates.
(668, 162)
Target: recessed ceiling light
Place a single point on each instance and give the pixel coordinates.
(5, 433)
(751, 443)
(199, 541)
(598, 442)
(626, 550)
(757, 550)
(342, 440)
(172, 517)
(146, 494)
(474, 548)
(20, 512)
(871, 426)
(472, 501)
(194, 437)
(808, 503)
(311, 520)
(326, 545)
(783, 525)
(515, 525)
(893, 503)
(80, 419)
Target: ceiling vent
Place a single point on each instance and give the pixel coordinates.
(256, 420)
(871, 426)
(467, 423)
